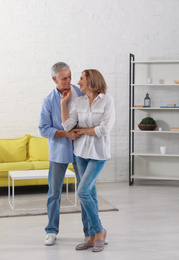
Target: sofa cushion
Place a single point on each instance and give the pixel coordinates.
(13, 150)
(2, 175)
(37, 149)
(2, 157)
(21, 166)
(38, 165)
(16, 166)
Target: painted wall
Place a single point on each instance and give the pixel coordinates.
(99, 34)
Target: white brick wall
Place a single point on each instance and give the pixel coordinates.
(86, 34)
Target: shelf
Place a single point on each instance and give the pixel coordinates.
(155, 108)
(153, 177)
(155, 154)
(155, 62)
(155, 132)
(154, 85)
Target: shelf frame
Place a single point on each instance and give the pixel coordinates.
(131, 117)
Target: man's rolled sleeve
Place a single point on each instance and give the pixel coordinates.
(45, 122)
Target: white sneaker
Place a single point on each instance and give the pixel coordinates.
(105, 242)
(50, 239)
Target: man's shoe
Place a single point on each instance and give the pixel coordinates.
(50, 239)
(84, 245)
(105, 242)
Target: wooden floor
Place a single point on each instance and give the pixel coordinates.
(146, 227)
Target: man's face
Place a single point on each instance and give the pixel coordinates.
(63, 80)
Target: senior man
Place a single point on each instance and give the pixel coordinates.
(60, 147)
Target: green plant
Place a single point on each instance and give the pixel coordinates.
(148, 121)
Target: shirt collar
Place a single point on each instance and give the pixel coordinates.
(57, 92)
(101, 95)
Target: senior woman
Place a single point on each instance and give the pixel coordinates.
(93, 115)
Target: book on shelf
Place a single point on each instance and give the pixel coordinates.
(169, 106)
(139, 106)
(174, 128)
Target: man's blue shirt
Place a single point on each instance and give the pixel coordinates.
(60, 149)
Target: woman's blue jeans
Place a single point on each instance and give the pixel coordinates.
(89, 171)
(55, 182)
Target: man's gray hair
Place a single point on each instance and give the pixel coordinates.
(57, 67)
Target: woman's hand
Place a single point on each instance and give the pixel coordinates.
(66, 95)
(77, 131)
(73, 135)
(84, 131)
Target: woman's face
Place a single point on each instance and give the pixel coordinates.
(83, 83)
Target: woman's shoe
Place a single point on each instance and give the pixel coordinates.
(84, 245)
(99, 244)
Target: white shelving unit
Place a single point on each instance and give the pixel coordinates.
(143, 163)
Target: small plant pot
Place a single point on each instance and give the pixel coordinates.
(147, 127)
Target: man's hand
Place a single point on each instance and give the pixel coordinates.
(62, 133)
(77, 131)
(84, 131)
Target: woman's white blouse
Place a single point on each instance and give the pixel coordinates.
(101, 116)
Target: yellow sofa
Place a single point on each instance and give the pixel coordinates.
(25, 153)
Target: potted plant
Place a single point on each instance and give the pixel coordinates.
(147, 123)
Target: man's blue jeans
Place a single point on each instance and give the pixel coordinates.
(89, 171)
(55, 182)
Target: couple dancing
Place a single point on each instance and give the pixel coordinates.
(84, 116)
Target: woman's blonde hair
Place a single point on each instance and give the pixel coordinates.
(95, 81)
